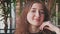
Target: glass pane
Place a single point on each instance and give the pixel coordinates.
(10, 11)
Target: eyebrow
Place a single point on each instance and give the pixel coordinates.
(40, 9)
(33, 8)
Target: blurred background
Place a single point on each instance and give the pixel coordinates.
(7, 16)
(10, 11)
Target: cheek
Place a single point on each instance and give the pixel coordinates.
(42, 19)
(30, 16)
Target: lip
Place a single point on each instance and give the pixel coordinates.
(37, 20)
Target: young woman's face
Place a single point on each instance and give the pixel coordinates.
(36, 15)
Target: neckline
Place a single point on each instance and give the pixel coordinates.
(40, 32)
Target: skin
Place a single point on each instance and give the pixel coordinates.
(36, 17)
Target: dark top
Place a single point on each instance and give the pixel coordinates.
(45, 31)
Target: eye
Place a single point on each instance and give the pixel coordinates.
(33, 11)
(41, 12)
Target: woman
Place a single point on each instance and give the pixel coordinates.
(35, 20)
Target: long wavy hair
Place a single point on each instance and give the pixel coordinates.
(23, 25)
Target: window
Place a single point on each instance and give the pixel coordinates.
(7, 17)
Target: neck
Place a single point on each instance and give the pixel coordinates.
(33, 29)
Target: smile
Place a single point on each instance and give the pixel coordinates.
(37, 20)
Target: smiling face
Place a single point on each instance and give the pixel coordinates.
(36, 14)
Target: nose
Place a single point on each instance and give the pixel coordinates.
(37, 14)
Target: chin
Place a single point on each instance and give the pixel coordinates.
(36, 24)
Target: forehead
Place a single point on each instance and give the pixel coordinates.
(37, 5)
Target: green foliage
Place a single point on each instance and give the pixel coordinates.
(21, 1)
(58, 1)
(59, 17)
(54, 13)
